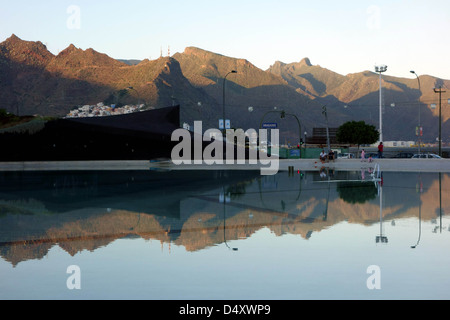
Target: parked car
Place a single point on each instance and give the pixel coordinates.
(403, 155)
(345, 156)
(426, 156)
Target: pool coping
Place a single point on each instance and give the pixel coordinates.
(406, 165)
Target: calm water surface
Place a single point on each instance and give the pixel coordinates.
(224, 235)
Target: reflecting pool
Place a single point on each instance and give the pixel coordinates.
(224, 235)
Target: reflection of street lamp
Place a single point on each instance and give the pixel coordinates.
(223, 106)
(420, 131)
(381, 69)
(420, 214)
(224, 214)
(381, 238)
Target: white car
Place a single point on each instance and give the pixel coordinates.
(426, 156)
(345, 155)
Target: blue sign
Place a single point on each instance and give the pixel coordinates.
(227, 124)
(294, 153)
(270, 125)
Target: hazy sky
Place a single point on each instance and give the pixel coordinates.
(343, 36)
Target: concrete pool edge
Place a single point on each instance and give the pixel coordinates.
(404, 165)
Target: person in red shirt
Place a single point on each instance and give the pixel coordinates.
(380, 150)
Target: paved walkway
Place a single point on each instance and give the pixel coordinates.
(423, 165)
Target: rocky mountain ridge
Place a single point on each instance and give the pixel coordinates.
(34, 81)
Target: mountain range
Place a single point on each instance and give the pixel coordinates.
(35, 81)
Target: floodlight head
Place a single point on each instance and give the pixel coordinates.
(233, 71)
(381, 68)
(412, 71)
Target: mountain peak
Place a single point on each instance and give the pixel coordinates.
(71, 48)
(77, 57)
(13, 38)
(15, 41)
(28, 52)
(305, 62)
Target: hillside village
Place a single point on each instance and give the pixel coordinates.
(101, 110)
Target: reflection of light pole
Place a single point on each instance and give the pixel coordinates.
(440, 200)
(418, 80)
(325, 214)
(223, 106)
(381, 238)
(224, 228)
(420, 215)
(381, 69)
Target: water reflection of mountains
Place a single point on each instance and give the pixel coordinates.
(196, 209)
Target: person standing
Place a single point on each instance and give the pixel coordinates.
(363, 155)
(380, 150)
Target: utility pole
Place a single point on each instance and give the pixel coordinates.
(223, 102)
(420, 93)
(324, 112)
(440, 116)
(380, 70)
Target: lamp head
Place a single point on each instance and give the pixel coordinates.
(381, 68)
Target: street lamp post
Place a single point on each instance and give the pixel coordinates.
(380, 70)
(283, 115)
(306, 136)
(440, 116)
(324, 112)
(420, 92)
(223, 106)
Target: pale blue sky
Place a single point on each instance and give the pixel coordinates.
(343, 36)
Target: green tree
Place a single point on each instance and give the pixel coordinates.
(356, 192)
(357, 132)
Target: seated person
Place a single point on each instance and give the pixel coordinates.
(331, 155)
(323, 156)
